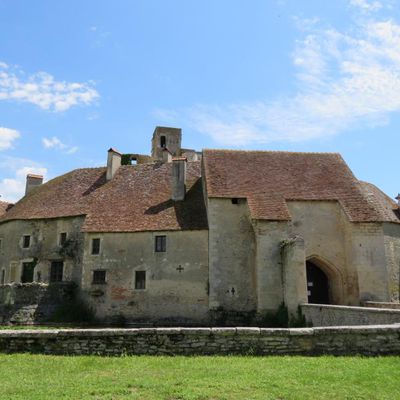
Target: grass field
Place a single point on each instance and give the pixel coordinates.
(30, 377)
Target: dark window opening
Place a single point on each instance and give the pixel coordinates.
(140, 280)
(1, 243)
(27, 272)
(99, 276)
(317, 285)
(96, 246)
(160, 244)
(56, 271)
(3, 276)
(163, 141)
(63, 238)
(235, 200)
(26, 241)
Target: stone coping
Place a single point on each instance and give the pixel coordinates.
(352, 308)
(250, 331)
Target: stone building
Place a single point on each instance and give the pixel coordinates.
(173, 236)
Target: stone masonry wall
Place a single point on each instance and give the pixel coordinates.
(32, 302)
(377, 340)
(329, 315)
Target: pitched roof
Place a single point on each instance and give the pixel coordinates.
(4, 206)
(387, 207)
(269, 179)
(138, 198)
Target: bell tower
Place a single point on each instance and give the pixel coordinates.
(166, 138)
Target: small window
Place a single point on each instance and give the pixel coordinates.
(26, 241)
(163, 141)
(160, 244)
(1, 243)
(99, 277)
(3, 276)
(96, 246)
(62, 238)
(235, 200)
(56, 271)
(140, 280)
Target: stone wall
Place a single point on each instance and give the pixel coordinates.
(176, 284)
(43, 249)
(327, 315)
(378, 340)
(32, 303)
(381, 304)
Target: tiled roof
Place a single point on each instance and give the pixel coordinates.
(4, 206)
(387, 207)
(269, 179)
(138, 198)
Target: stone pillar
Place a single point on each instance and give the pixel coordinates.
(294, 273)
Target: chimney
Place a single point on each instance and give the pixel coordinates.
(32, 181)
(398, 199)
(113, 163)
(178, 178)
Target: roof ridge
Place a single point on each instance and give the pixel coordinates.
(273, 151)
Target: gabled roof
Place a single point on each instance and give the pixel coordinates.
(138, 198)
(269, 179)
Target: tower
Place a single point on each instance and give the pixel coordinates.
(165, 137)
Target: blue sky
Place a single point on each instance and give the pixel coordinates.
(77, 77)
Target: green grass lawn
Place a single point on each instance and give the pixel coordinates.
(30, 377)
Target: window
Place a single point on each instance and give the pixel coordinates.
(26, 241)
(1, 243)
(62, 238)
(27, 272)
(99, 277)
(163, 141)
(140, 280)
(3, 276)
(96, 246)
(235, 200)
(160, 244)
(56, 271)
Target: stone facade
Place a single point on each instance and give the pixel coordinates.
(175, 240)
(382, 340)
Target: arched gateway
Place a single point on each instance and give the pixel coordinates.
(317, 284)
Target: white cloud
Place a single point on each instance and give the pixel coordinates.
(12, 188)
(344, 81)
(55, 143)
(7, 137)
(43, 90)
(366, 5)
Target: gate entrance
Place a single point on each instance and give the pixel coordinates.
(317, 285)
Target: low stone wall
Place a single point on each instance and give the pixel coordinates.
(31, 303)
(377, 340)
(330, 315)
(381, 304)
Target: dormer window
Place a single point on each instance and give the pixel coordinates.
(163, 141)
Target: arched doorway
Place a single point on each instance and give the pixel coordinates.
(317, 284)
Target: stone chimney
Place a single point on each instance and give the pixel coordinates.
(32, 181)
(113, 163)
(178, 182)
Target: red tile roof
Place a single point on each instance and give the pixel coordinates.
(4, 206)
(138, 198)
(269, 179)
